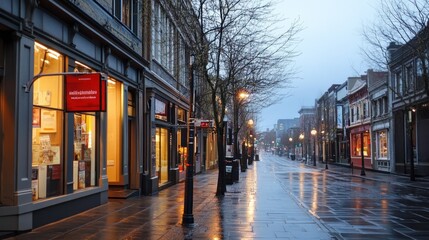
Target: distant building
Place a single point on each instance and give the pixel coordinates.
(306, 124)
(380, 120)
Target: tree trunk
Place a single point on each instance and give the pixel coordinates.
(221, 186)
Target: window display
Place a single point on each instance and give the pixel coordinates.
(47, 123)
(84, 154)
(382, 144)
(357, 145)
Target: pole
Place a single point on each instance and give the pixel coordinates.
(410, 129)
(362, 171)
(314, 151)
(188, 217)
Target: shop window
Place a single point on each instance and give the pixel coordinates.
(182, 150)
(160, 110)
(357, 145)
(47, 125)
(114, 136)
(181, 115)
(161, 155)
(382, 147)
(84, 151)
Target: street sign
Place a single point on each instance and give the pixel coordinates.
(204, 123)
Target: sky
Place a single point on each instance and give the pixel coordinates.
(330, 51)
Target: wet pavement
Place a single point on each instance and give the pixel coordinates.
(276, 198)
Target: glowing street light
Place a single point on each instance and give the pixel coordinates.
(301, 137)
(313, 133)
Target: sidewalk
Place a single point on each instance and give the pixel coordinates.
(256, 207)
(421, 182)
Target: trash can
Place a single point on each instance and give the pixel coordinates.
(235, 170)
(257, 157)
(292, 156)
(228, 172)
(243, 163)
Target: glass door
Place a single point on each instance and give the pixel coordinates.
(162, 155)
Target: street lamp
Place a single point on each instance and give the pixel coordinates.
(240, 96)
(188, 217)
(301, 137)
(291, 147)
(362, 171)
(252, 153)
(313, 133)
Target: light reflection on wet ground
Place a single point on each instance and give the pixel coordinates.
(275, 199)
(376, 207)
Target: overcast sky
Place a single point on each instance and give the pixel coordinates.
(330, 51)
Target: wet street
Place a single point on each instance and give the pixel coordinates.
(378, 206)
(276, 198)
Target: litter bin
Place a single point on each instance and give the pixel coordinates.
(235, 170)
(292, 156)
(256, 157)
(228, 171)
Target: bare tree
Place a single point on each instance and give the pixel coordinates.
(402, 22)
(242, 52)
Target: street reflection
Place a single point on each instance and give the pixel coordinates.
(251, 187)
(315, 192)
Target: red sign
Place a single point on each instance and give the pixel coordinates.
(85, 93)
(205, 124)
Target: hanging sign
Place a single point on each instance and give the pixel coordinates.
(85, 93)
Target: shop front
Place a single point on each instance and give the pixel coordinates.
(360, 146)
(55, 156)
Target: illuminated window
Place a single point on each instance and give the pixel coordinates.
(357, 145)
(161, 154)
(114, 123)
(47, 123)
(382, 146)
(84, 151)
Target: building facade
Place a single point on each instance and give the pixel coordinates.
(55, 163)
(410, 106)
(306, 123)
(380, 120)
(360, 127)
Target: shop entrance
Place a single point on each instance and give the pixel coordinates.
(162, 146)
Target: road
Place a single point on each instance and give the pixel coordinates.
(380, 206)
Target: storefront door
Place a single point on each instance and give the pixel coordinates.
(162, 147)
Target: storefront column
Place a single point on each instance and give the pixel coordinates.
(16, 164)
(150, 180)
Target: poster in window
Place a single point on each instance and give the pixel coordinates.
(42, 98)
(36, 117)
(48, 121)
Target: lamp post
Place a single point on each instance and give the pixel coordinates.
(313, 133)
(410, 132)
(290, 148)
(238, 102)
(301, 137)
(250, 142)
(188, 217)
(362, 171)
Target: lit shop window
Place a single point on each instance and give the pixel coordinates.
(84, 151)
(382, 144)
(114, 136)
(357, 145)
(84, 174)
(47, 124)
